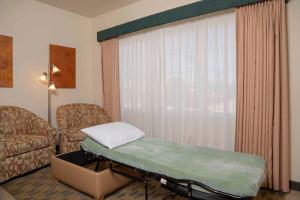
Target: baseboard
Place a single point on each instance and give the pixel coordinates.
(294, 185)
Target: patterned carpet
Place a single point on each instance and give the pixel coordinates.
(39, 185)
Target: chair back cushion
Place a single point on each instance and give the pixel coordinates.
(80, 116)
(15, 120)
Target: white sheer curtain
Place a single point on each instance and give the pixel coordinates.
(178, 82)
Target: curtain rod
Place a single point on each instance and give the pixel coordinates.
(176, 14)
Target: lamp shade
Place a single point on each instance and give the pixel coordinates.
(55, 69)
(52, 86)
(43, 77)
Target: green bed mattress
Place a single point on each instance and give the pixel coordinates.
(230, 172)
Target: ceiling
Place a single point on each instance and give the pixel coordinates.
(88, 8)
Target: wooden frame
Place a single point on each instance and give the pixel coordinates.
(6, 61)
(65, 59)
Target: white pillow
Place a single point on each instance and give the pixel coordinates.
(114, 134)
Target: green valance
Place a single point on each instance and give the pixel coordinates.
(180, 13)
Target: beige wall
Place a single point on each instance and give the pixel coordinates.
(294, 64)
(144, 8)
(34, 26)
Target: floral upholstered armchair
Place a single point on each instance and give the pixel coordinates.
(27, 142)
(71, 118)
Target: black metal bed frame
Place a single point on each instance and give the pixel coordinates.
(182, 187)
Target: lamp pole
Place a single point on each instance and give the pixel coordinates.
(46, 77)
(49, 97)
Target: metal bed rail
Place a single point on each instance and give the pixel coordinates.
(182, 187)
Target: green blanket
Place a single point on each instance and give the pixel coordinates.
(231, 172)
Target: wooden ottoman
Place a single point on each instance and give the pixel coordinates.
(68, 168)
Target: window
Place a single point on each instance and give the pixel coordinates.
(178, 82)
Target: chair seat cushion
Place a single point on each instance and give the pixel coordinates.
(18, 144)
(75, 135)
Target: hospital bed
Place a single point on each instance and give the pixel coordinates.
(189, 171)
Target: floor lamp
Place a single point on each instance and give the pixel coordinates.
(46, 78)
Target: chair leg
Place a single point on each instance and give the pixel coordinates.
(146, 187)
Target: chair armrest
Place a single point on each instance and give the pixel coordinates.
(2, 150)
(43, 128)
(2, 161)
(47, 131)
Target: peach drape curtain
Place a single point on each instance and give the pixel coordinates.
(262, 88)
(110, 75)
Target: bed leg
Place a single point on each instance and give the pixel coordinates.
(189, 191)
(97, 165)
(146, 187)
